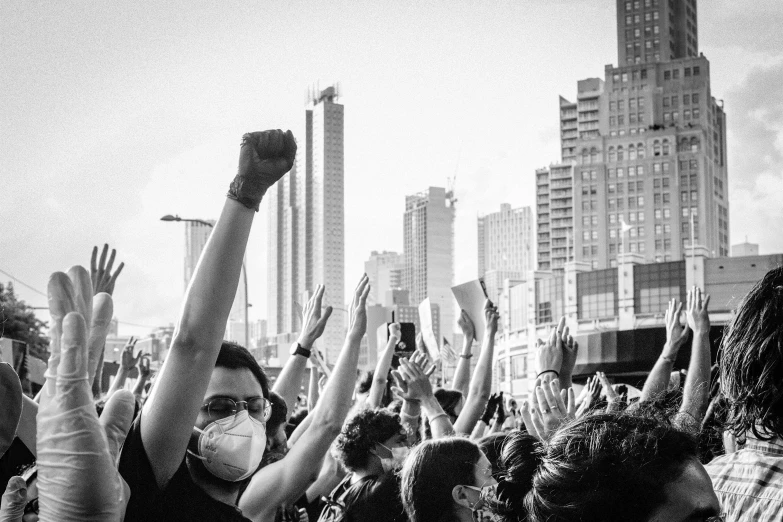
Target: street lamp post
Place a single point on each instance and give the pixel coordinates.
(169, 217)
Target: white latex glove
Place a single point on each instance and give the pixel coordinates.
(14, 500)
(77, 473)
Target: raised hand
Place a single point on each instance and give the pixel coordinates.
(102, 278)
(395, 331)
(491, 317)
(490, 409)
(549, 357)
(466, 325)
(412, 380)
(593, 387)
(357, 317)
(313, 322)
(696, 314)
(127, 360)
(144, 367)
(263, 159)
(547, 409)
(77, 476)
(612, 398)
(570, 348)
(676, 333)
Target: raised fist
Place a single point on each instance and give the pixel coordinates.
(263, 159)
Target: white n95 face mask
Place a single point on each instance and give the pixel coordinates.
(232, 448)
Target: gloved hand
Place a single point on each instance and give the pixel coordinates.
(263, 159)
(490, 409)
(14, 500)
(77, 452)
(501, 410)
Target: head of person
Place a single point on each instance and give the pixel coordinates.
(363, 385)
(294, 421)
(373, 441)
(751, 361)
(276, 438)
(613, 467)
(451, 401)
(491, 445)
(229, 438)
(446, 479)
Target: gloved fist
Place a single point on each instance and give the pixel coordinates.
(263, 159)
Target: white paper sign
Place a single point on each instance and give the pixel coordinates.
(471, 297)
(425, 320)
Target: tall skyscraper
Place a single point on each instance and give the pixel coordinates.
(385, 272)
(644, 165)
(307, 225)
(504, 246)
(428, 232)
(196, 236)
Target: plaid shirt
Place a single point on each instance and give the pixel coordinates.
(749, 482)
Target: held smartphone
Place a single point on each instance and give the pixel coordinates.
(407, 344)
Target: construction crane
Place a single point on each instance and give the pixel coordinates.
(451, 182)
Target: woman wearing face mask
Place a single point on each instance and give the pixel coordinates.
(447, 480)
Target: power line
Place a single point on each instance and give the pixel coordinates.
(46, 296)
(23, 283)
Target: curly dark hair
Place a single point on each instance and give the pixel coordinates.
(362, 432)
(607, 467)
(751, 361)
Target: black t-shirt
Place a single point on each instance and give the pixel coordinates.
(182, 499)
(375, 499)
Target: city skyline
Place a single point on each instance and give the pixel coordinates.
(149, 108)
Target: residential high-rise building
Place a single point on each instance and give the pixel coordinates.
(428, 235)
(307, 226)
(644, 148)
(385, 272)
(504, 246)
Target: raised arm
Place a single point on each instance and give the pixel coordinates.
(313, 389)
(481, 383)
(127, 363)
(173, 404)
(144, 376)
(313, 324)
(381, 375)
(676, 336)
(286, 480)
(696, 392)
(462, 373)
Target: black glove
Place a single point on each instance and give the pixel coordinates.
(491, 408)
(263, 159)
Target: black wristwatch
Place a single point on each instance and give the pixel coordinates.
(297, 349)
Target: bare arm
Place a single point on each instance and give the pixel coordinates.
(312, 390)
(676, 335)
(696, 392)
(289, 382)
(284, 481)
(481, 383)
(462, 373)
(381, 375)
(170, 412)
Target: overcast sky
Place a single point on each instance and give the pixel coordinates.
(116, 113)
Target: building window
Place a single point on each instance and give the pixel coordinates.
(667, 75)
(656, 284)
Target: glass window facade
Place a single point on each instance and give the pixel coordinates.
(597, 291)
(655, 284)
(549, 299)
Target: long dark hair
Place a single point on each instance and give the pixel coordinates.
(751, 361)
(430, 473)
(607, 467)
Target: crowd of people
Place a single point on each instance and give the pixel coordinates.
(208, 438)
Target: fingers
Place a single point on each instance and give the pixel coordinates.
(102, 263)
(559, 399)
(317, 300)
(73, 389)
(117, 418)
(14, 500)
(541, 400)
(705, 302)
(527, 420)
(62, 301)
(571, 404)
(110, 286)
(430, 370)
(82, 286)
(325, 317)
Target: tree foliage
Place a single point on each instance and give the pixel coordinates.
(18, 322)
